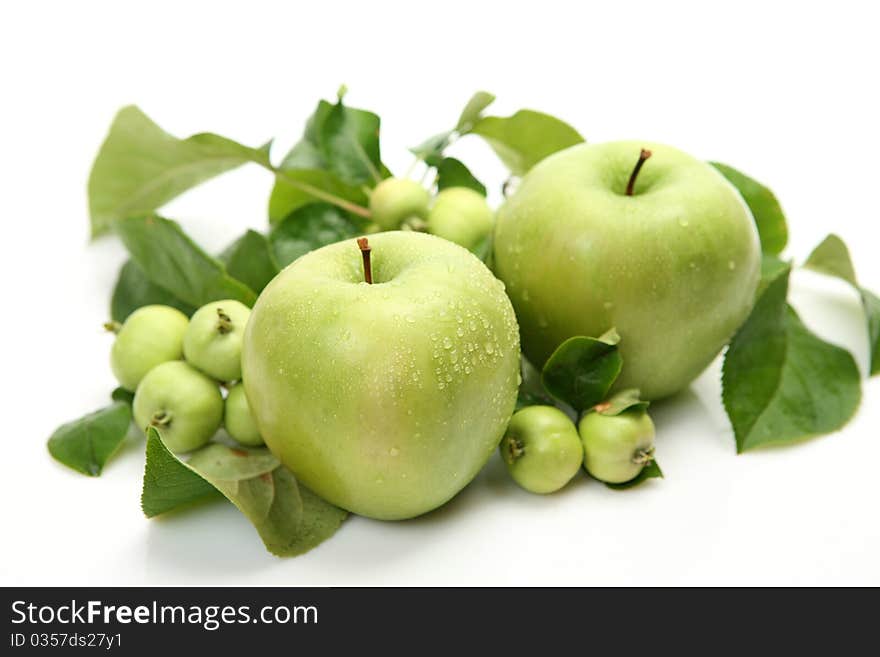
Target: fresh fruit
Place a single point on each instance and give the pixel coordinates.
(617, 447)
(396, 199)
(674, 266)
(385, 398)
(238, 420)
(213, 340)
(542, 449)
(461, 215)
(182, 403)
(151, 335)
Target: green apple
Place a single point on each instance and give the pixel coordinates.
(238, 420)
(151, 335)
(674, 266)
(461, 215)
(182, 403)
(542, 449)
(617, 447)
(396, 199)
(213, 340)
(385, 398)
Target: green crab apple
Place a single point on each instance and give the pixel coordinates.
(182, 403)
(383, 374)
(461, 215)
(617, 447)
(213, 340)
(238, 420)
(632, 235)
(542, 449)
(396, 199)
(150, 335)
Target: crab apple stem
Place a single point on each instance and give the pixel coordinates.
(644, 155)
(112, 327)
(224, 322)
(160, 419)
(364, 245)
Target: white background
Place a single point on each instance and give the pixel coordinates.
(788, 95)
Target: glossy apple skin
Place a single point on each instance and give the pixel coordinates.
(542, 449)
(612, 442)
(385, 399)
(461, 215)
(396, 199)
(674, 267)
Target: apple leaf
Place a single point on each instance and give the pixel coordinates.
(650, 471)
(140, 167)
(289, 519)
(765, 208)
(453, 173)
(531, 389)
(122, 395)
(286, 198)
(172, 261)
(338, 154)
(310, 227)
(832, 257)
(134, 290)
(473, 111)
(782, 383)
(771, 267)
(526, 138)
(250, 260)
(622, 401)
(87, 443)
(582, 370)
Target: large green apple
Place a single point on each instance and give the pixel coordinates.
(673, 266)
(384, 398)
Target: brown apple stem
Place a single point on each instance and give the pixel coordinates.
(364, 245)
(644, 155)
(643, 456)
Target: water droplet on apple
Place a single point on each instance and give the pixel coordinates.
(459, 332)
(410, 319)
(683, 223)
(525, 295)
(608, 305)
(447, 343)
(453, 355)
(489, 347)
(731, 265)
(394, 451)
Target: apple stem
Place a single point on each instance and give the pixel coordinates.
(112, 327)
(160, 419)
(364, 245)
(224, 322)
(643, 456)
(643, 155)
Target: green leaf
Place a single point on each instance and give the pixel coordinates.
(433, 146)
(87, 443)
(453, 173)
(650, 471)
(526, 138)
(286, 198)
(310, 227)
(771, 267)
(134, 290)
(582, 370)
(291, 520)
(473, 111)
(140, 167)
(832, 257)
(174, 262)
(250, 260)
(122, 395)
(782, 383)
(766, 210)
(349, 143)
(622, 401)
(531, 389)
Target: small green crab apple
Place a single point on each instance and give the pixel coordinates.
(461, 215)
(182, 403)
(213, 340)
(541, 449)
(395, 200)
(238, 420)
(617, 447)
(150, 336)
